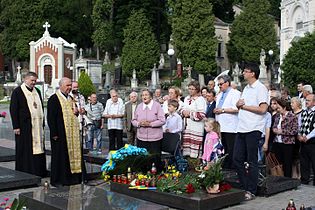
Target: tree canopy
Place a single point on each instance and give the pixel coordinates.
(141, 49)
(194, 34)
(252, 31)
(21, 21)
(86, 86)
(298, 65)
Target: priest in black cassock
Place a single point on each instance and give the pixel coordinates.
(27, 113)
(66, 154)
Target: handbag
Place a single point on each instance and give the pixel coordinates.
(97, 123)
(275, 167)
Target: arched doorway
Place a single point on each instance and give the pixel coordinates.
(47, 74)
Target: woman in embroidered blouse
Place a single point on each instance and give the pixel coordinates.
(285, 128)
(193, 113)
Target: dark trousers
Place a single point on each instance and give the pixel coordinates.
(284, 154)
(228, 140)
(154, 148)
(115, 139)
(131, 135)
(307, 158)
(246, 150)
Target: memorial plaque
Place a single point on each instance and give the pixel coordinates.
(7, 154)
(10, 179)
(197, 201)
(84, 198)
(275, 184)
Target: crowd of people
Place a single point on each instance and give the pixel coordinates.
(250, 124)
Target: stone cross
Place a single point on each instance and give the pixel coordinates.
(46, 26)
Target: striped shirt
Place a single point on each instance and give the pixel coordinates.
(114, 108)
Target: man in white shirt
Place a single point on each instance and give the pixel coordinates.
(114, 112)
(252, 108)
(226, 114)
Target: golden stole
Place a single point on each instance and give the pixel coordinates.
(35, 106)
(72, 133)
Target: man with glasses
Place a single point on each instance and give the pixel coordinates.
(252, 108)
(226, 114)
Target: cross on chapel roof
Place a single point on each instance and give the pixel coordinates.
(46, 26)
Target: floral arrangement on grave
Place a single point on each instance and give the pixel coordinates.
(15, 205)
(3, 114)
(174, 182)
(211, 178)
(126, 157)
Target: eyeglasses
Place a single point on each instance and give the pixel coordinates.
(220, 84)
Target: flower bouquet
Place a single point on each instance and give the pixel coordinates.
(3, 114)
(127, 156)
(212, 177)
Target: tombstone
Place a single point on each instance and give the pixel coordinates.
(11, 179)
(18, 75)
(236, 73)
(134, 80)
(262, 67)
(161, 62)
(153, 77)
(84, 198)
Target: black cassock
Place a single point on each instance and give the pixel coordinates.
(60, 165)
(25, 160)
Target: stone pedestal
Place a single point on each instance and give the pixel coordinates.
(196, 201)
(134, 83)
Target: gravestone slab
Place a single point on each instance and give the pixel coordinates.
(84, 198)
(6, 154)
(93, 157)
(11, 179)
(275, 184)
(197, 201)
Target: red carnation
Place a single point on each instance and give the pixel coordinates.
(190, 188)
(225, 187)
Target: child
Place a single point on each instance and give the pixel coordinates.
(174, 122)
(212, 146)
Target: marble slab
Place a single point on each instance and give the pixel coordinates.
(6, 154)
(85, 198)
(195, 201)
(11, 179)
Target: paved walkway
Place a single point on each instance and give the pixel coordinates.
(304, 194)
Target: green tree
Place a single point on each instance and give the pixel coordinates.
(298, 64)
(21, 22)
(252, 31)
(102, 17)
(194, 34)
(86, 86)
(141, 49)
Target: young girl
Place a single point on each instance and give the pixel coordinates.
(212, 146)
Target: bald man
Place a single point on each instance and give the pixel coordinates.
(66, 157)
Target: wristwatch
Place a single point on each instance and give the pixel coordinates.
(223, 111)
